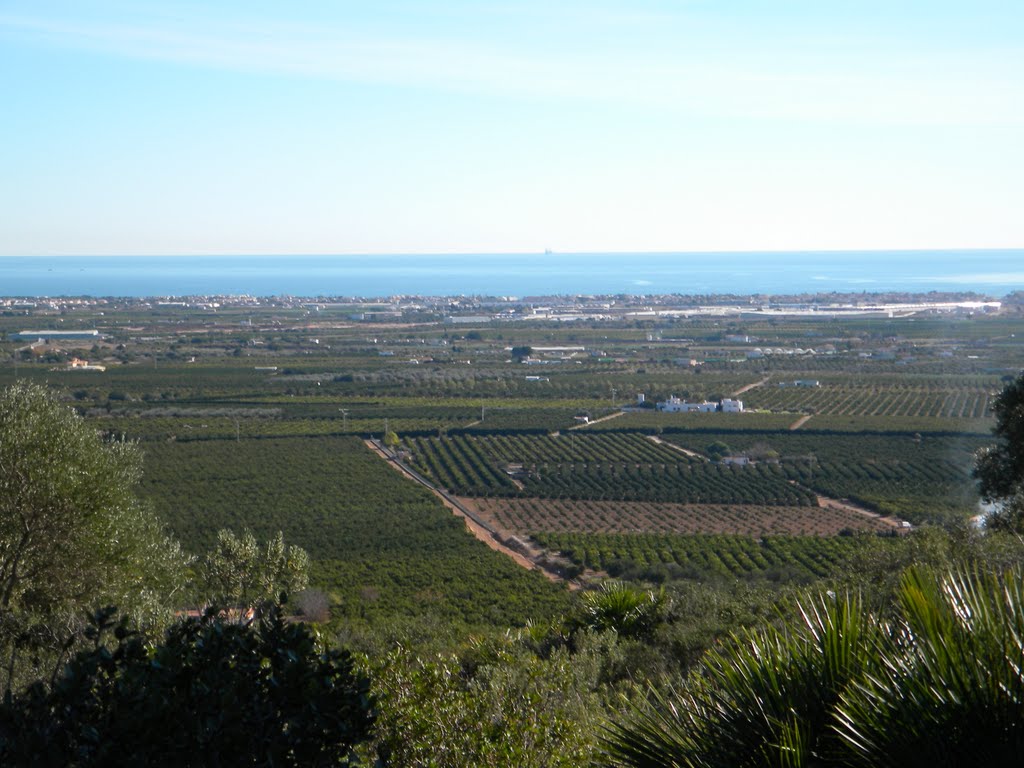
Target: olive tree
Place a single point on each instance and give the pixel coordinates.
(240, 573)
(73, 534)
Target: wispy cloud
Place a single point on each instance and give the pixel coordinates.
(690, 79)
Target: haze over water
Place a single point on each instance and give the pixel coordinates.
(994, 273)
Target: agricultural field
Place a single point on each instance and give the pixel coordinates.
(954, 397)
(530, 516)
(252, 416)
(625, 467)
(655, 422)
(659, 556)
(381, 546)
(920, 478)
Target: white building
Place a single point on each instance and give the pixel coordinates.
(732, 406)
(739, 461)
(675, 405)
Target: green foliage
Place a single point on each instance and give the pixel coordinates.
(618, 466)
(665, 556)
(948, 688)
(380, 546)
(764, 700)
(717, 450)
(211, 693)
(896, 397)
(625, 609)
(71, 528)
(999, 469)
(938, 685)
(72, 532)
(919, 477)
(239, 573)
(511, 708)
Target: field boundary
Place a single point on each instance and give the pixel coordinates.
(800, 422)
(679, 448)
(749, 387)
(609, 417)
(480, 529)
(849, 506)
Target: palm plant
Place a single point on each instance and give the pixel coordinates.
(765, 699)
(942, 685)
(630, 611)
(949, 686)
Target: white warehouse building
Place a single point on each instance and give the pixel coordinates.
(675, 405)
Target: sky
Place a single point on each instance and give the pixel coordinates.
(256, 127)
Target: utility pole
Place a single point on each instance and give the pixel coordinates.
(344, 419)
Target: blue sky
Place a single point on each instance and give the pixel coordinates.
(342, 127)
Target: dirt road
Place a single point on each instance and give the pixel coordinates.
(480, 531)
(598, 421)
(674, 447)
(825, 501)
(749, 387)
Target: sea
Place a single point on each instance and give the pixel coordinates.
(992, 273)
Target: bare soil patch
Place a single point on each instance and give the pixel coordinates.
(799, 422)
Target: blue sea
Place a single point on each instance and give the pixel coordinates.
(991, 272)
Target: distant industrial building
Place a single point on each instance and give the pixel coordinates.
(33, 335)
(675, 405)
(454, 319)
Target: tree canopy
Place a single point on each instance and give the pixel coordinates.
(73, 535)
(242, 574)
(211, 693)
(999, 469)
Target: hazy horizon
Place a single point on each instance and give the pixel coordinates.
(993, 273)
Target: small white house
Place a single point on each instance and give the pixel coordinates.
(732, 406)
(739, 461)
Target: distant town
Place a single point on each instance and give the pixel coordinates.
(486, 309)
